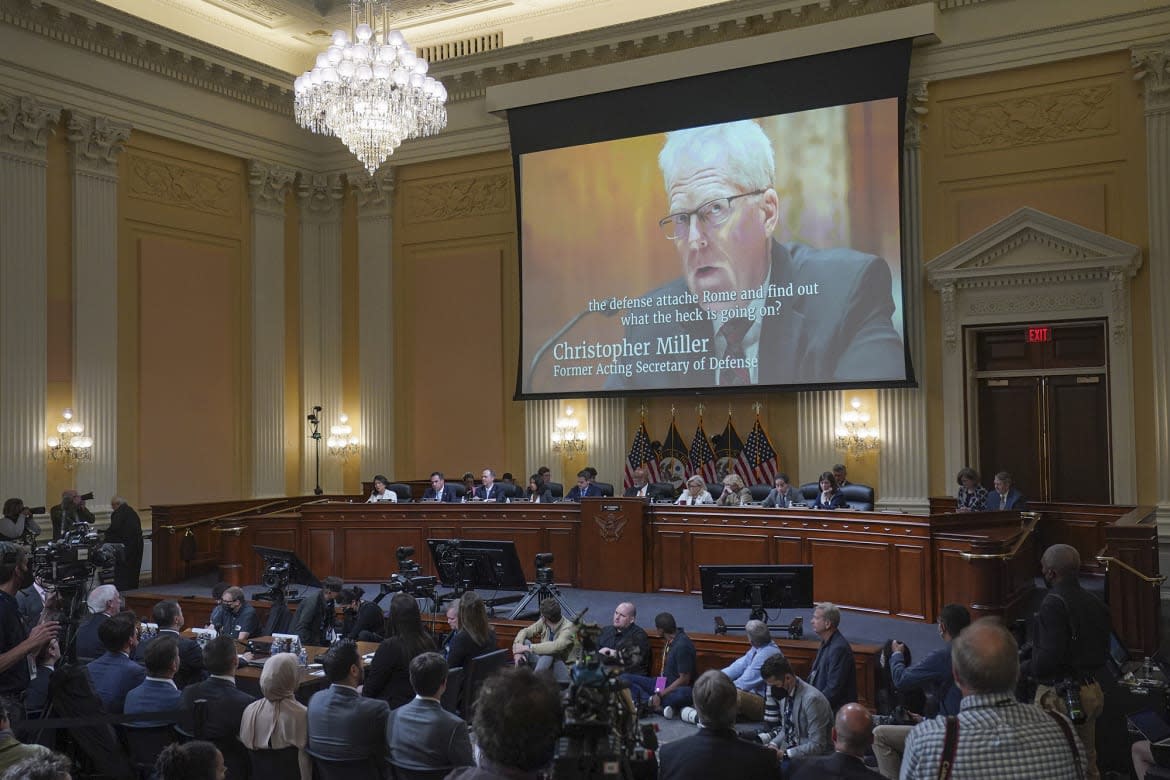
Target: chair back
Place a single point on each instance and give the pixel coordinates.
(279, 619)
(453, 695)
(662, 491)
(146, 743)
(235, 757)
(859, 497)
(402, 773)
(479, 669)
(606, 488)
(557, 489)
(460, 490)
(759, 492)
(274, 764)
(715, 489)
(810, 490)
(402, 490)
(355, 769)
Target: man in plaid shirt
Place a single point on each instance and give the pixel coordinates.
(997, 736)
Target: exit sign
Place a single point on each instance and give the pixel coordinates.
(1039, 334)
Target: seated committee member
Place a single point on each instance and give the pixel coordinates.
(238, 619)
(783, 495)
(734, 492)
(695, 493)
(840, 475)
(490, 490)
(1005, 496)
(421, 736)
(972, 497)
(641, 486)
(585, 487)
(382, 492)
(439, 489)
(723, 213)
(829, 496)
(538, 491)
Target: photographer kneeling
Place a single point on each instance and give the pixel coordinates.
(363, 621)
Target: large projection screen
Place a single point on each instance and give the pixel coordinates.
(761, 250)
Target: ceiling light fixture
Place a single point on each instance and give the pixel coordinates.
(370, 89)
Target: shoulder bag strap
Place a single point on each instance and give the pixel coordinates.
(1068, 736)
(950, 744)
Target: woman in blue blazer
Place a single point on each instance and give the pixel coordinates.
(829, 497)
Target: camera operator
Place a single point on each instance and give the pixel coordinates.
(67, 514)
(315, 615)
(624, 642)
(363, 621)
(16, 643)
(1070, 643)
(17, 524)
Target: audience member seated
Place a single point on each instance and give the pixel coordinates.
(362, 620)
(440, 490)
(972, 497)
(196, 760)
(114, 674)
(53, 766)
(225, 702)
(11, 749)
(103, 601)
(678, 667)
(783, 495)
(382, 492)
(695, 493)
(735, 493)
(473, 635)
(1006, 496)
(343, 725)
(716, 748)
(805, 715)
(852, 736)
(168, 615)
(237, 618)
(829, 496)
(833, 672)
(278, 721)
(744, 673)
(998, 736)
(158, 692)
(623, 642)
(550, 644)
(38, 690)
(517, 724)
(389, 673)
(316, 616)
(538, 492)
(421, 736)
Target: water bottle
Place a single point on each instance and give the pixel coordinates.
(303, 657)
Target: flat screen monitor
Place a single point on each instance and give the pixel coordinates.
(771, 586)
(478, 564)
(285, 560)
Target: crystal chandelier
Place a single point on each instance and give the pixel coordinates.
(370, 89)
(341, 440)
(855, 435)
(568, 438)
(70, 446)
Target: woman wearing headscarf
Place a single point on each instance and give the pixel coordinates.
(278, 720)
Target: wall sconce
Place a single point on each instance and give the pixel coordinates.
(341, 439)
(70, 446)
(855, 435)
(568, 438)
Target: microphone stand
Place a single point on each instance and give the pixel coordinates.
(547, 345)
(314, 419)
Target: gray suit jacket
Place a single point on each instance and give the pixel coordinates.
(344, 725)
(31, 605)
(422, 735)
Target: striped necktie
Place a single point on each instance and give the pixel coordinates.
(733, 331)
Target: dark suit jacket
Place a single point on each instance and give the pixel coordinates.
(1015, 500)
(783, 501)
(422, 735)
(191, 668)
(225, 708)
(88, 645)
(344, 725)
(311, 620)
(38, 690)
(447, 495)
(57, 515)
(499, 492)
(845, 331)
(546, 496)
(126, 528)
(113, 675)
(713, 753)
(153, 696)
(632, 491)
(833, 672)
(836, 501)
(590, 491)
(30, 604)
(835, 766)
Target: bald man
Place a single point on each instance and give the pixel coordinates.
(624, 642)
(852, 736)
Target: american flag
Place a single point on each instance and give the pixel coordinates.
(676, 459)
(702, 456)
(729, 456)
(641, 455)
(761, 456)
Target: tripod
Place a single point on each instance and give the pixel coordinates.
(545, 587)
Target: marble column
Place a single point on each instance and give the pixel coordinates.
(609, 441)
(375, 320)
(903, 478)
(25, 125)
(267, 185)
(817, 415)
(540, 420)
(320, 197)
(1152, 68)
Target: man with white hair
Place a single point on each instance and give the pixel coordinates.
(765, 312)
(744, 673)
(104, 601)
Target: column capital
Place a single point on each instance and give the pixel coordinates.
(375, 194)
(96, 142)
(1151, 66)
(916, 109)
(268, 184)
(25, 125)
(320, 194)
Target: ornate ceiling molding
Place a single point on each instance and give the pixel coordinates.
(25, 125)
(1151, 66)
(96, 142)
(374, 194)
(267, 185)
(320, 194)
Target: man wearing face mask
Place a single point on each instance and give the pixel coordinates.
(806, 719)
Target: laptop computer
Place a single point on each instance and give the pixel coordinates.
(1154, 727)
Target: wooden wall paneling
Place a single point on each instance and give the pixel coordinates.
(670, 561)
(1135, 605)
(910, 583)
(714, 548)
(839, 565)
(324, 555)
(562, 543)
(788, 549)
(369, 552)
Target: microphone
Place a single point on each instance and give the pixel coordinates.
(547, 345)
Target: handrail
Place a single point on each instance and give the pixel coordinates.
(1025, 531)
(285, 509)
(1109, 559)
(205, 520)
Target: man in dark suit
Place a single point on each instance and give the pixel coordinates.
(641, 486)
(343, 724)
(759, 311)
(1005, 496)
(31, 602)
(716, 749)
(421, 735)
(66, 514)
(314, 615)
(103, 601)
(225, 703)
(114, 674)
(833, 672)
(585, 487)
(126, 529)
(852, 736)
(491, 490)
(439, 489)
(169, 617)
(158, 692)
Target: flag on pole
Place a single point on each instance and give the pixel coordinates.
(702, 457)
(729, 457)
(641, 456)
(675, 459)
(761, 455)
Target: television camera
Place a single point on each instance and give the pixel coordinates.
(409, 577)
(283, 568)
(73, 560)
(602, 737)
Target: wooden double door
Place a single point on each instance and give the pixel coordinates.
(1042, 410)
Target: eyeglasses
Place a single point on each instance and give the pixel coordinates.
(712, 213)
